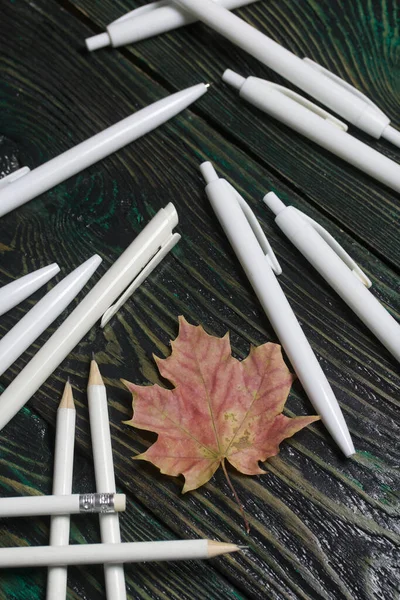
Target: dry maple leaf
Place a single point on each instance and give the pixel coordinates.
(220, 407)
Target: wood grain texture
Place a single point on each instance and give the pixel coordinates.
(322, 527)
(357, 41)
(26, 457)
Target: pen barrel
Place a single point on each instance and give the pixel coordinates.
(319, 130)
(92, 554)
(352, 107)
(279, 311)
(85, 315)
(15, 292)
(47, 309)
(95, 148)
(22, 506)
(155, 18)
(325, 260)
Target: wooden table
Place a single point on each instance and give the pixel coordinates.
(322, 527)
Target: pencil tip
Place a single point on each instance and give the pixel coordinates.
(217, 548)
(67, 400)
(94, 374)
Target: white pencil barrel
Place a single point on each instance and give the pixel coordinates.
(92, 554)
(62, 485)
(105, 481)
(29, 506)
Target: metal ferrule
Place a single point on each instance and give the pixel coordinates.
(96, 503)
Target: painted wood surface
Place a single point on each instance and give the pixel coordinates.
(322, 527)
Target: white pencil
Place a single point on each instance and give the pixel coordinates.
(29, 506)
(62, 485)
(104, 473)
(93, 554)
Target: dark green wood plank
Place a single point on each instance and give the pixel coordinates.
(312, 506)
(26, 457)
(357, 41)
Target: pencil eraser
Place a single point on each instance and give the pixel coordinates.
(119, 502)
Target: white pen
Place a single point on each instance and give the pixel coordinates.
(33, 506)
(104, 473)
(15, 292)
(154, 240)
(38, 319)
(338, 269)
(62, 485)
(99, 146)
(316, 124)
(147, 21)
(93, 554)
(259, 263)
(313, 79)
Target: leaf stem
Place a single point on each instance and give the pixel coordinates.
(246, 523)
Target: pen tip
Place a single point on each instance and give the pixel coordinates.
(67, 400)
(94, 374)
(207, 85)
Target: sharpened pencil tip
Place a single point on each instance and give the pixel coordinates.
(217, 548)
(94, 375)
(67, 400)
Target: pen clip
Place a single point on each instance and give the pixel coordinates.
(258, 232)
(147, 8)
(308, 104)
(340, 251)
(4, 181)
(344, 84)
(144, 273)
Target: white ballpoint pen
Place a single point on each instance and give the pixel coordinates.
(147, 21)
(310, 77)
(15, 292)
(316, 124)
(90, 151)
(28, 329)
(143, 252)
(339, 270)
(259, 263)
